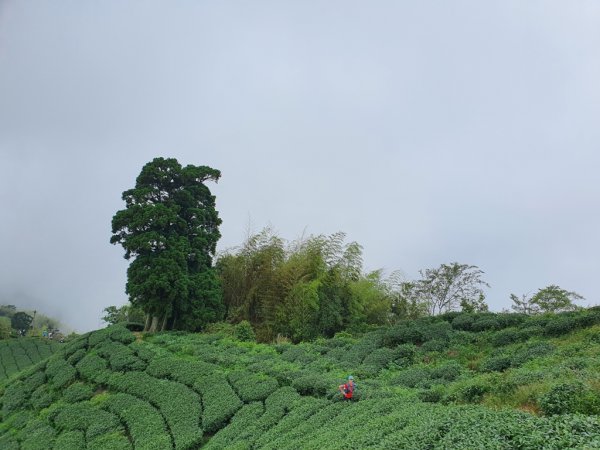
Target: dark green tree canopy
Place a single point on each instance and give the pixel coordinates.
(21, 321)
(170, 228)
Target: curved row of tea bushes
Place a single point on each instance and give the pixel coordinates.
(19, 354)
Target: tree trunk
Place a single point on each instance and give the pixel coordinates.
(154, 324)
(147, 324)
(164, 323)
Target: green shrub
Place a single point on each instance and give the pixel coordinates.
(121, 334)
(242, 428)
(244, 332)
(120, 357)
(496, 364)
(85, 417)
(92, 367)
(405, 355)
(111, 441)
(561, 399)
(379, 359)
(15, 396)
(449, 371)
(37, 435)
(532, 351)
(42, 397)
(403, 333)
(485, 324)
(70, 440)
(439, 331)
(251, 386)
(76, 356)
(77, 392)
(412, 378)
(560, 325)
(463, 322)
(218, 399)
(144, 423)
(60, 373)
(179, 404)
(311, 384)
(435, 346)
(506, 337)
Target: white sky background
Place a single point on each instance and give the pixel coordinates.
(430, 132)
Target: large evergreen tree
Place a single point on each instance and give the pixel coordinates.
(170, 228)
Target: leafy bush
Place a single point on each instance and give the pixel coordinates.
(145, 424)
(111, 441)
(561, 324)
(435, 346)
(77, 392)
(485, 324)
(70, 440)
(449, 371)
(60, 373)
(496, 364)
(561, 399)
(218, 399)
(179, 404)
(252, 387)
(412, 377)
(463, 322)
(42, 397)
(243, 331)
(120, 357)
(532, 351)
(403, 333)
(93, 368)
(311, 384)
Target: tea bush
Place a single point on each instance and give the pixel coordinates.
(178, 403)
(145, 424)
(252, 387)
(70, 440)
(77, 392)
(219, 401)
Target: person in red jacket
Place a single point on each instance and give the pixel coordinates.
(347, 389)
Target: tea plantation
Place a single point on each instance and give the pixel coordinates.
(18, 354)
(456, 381)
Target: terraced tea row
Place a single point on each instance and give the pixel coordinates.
(18, 354)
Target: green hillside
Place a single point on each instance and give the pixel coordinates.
(18, 354)
(456, 381)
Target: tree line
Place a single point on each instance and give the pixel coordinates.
(310, 287)
(14, 323)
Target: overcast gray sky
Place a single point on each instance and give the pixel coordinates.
(428, 131)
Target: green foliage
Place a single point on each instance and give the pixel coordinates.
(60, 373)
(448, 287)
(219, 401)
(77, 392)
(179, 404)
(554, 299)
(144, 422)
(214, 391)
(21, 321)
(252, 387)
(123, 314)
(70, 440)
(244, 332)
(304, 289)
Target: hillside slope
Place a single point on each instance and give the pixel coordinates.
(454, 381)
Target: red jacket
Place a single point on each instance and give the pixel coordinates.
(348, 389)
